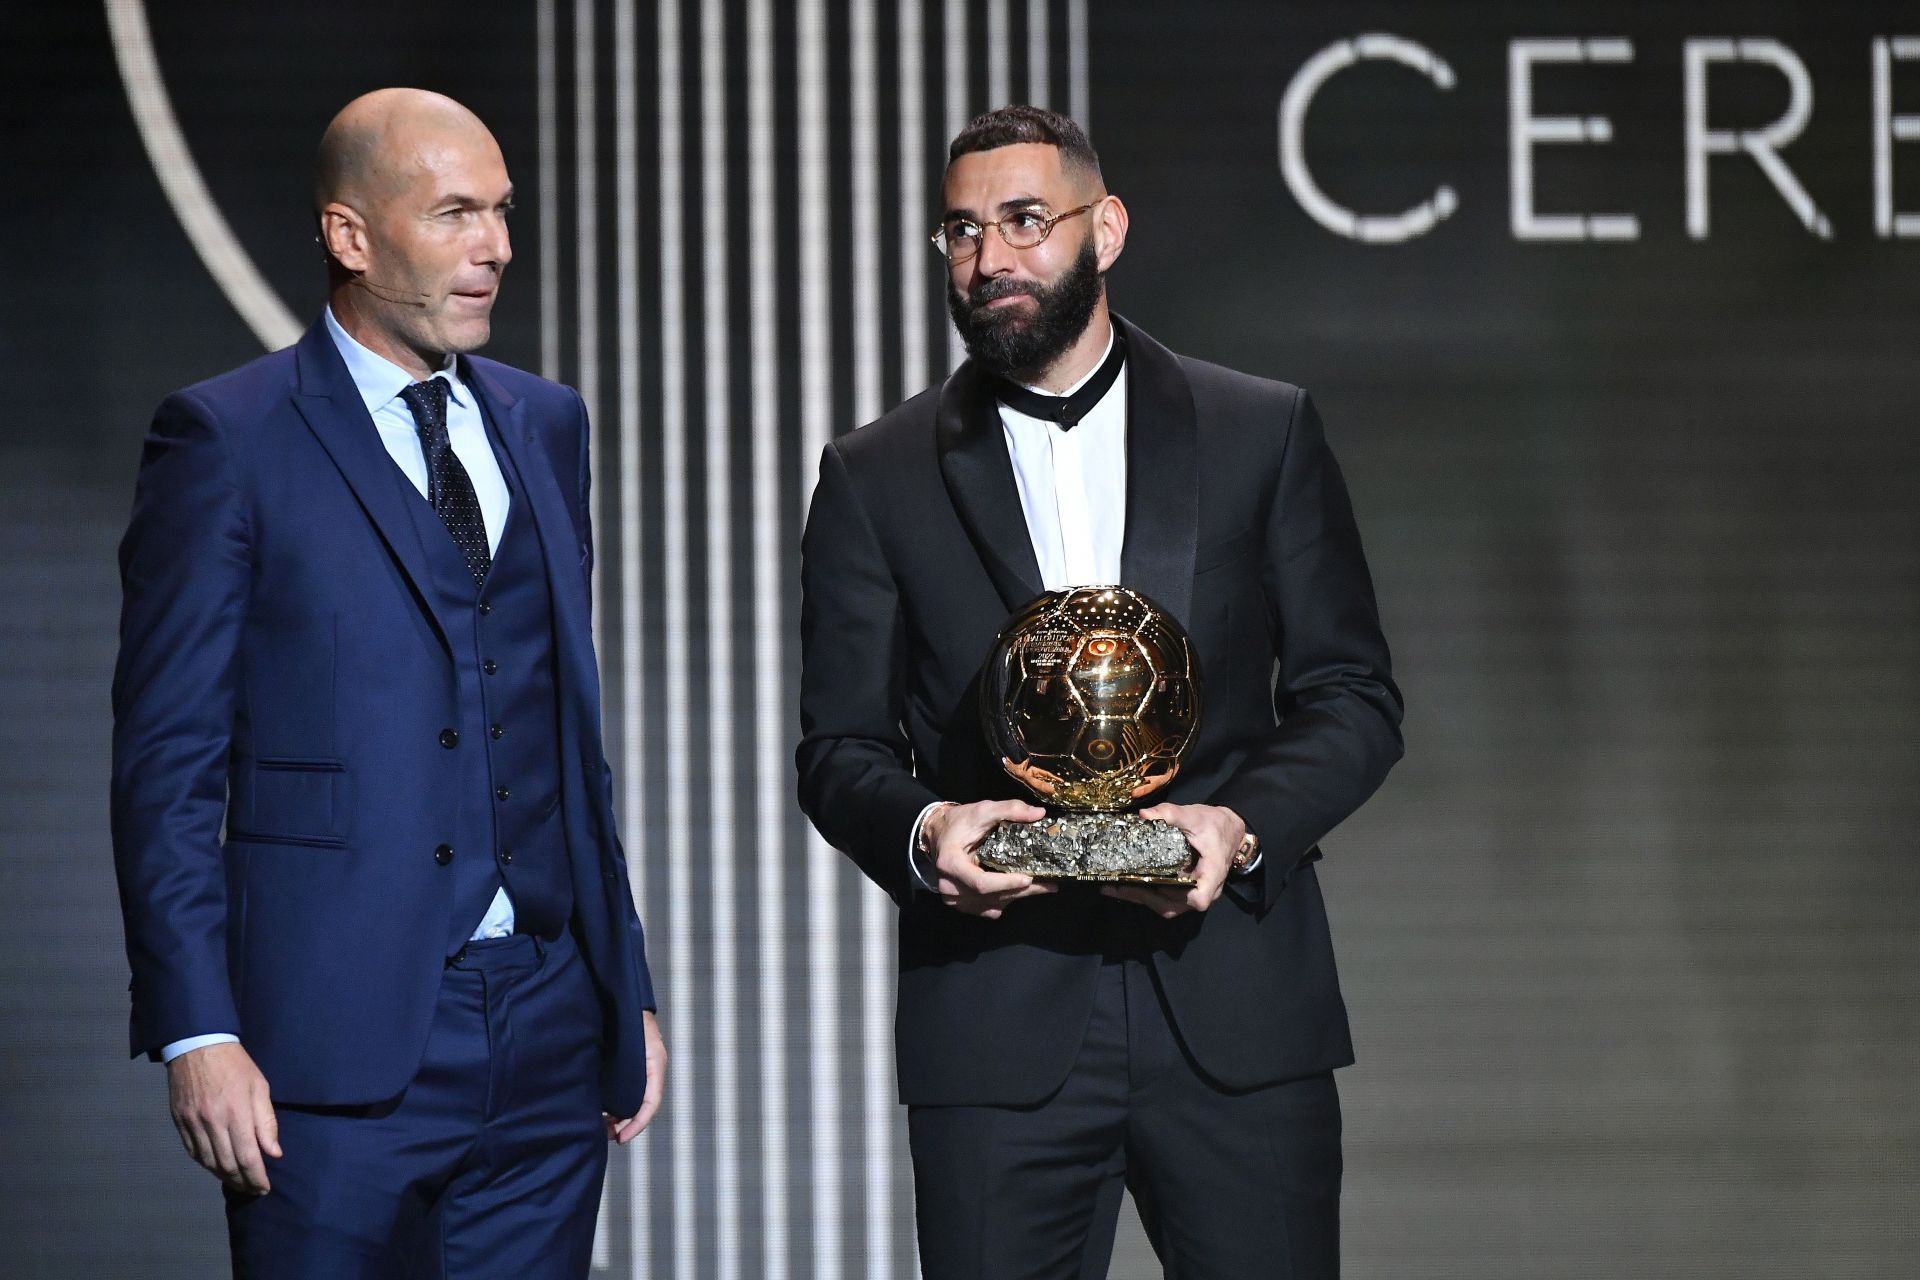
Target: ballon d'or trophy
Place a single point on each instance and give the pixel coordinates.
(1091, 697)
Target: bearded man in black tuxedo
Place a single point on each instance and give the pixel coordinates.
(1056, 1042)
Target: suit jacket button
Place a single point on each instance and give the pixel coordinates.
(506, 856)
(494, 732)
(501, 793)
(485, 608)
(443, 854)
(449, 738)
(489, 666)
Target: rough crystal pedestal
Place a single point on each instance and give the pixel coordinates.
(1090, 846)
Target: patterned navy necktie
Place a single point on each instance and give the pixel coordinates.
(449, 488)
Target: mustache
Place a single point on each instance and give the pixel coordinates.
(1002, 287)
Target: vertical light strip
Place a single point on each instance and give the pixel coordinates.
(1077, 63)
(769, 633)
(1038, 91)
(915, 264)
(999, 49)
(816, 429)
(627, 344)
(683, 994)
(721, 842)
(955, 75)
(633, 743)
(587, 249)
(547, 60)
(876, 962)
(915, 260)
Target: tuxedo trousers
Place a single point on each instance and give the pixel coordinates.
(490, 1164)
(1229, 1185)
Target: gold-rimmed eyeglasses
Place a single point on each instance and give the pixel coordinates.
(958, 239)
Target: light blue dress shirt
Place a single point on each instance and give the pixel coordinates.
(380, 382)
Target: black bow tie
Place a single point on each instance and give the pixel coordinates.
(1067, 411)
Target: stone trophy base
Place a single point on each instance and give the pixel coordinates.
(1090, 846)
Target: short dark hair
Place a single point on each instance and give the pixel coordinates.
(1008, 126)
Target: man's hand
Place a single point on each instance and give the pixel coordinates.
(1214, 834)
(224, 1112)
(625, 1131)
(951, 834)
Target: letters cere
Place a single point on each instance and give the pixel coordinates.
(1527, 131)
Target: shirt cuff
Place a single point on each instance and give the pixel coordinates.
(191, 1043)
(913, 847)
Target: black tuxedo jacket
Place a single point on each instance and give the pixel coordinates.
(1237, 521)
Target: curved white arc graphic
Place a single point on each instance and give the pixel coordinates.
(173, 164)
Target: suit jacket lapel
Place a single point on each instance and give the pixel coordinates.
(1163, 487)
(552, 522)
(979, 478)
(331, 405)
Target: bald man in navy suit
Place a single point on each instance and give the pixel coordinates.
(377, 911)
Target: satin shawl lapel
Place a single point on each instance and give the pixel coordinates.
(552, 521)
(333, 409)
(1163, 485)
(979, 477)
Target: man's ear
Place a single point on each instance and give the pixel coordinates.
(343, 233)
(1110, 231)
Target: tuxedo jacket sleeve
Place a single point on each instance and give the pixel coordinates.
(1336, 708)
(856, 764)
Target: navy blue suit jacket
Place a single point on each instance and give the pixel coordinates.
(282, 684)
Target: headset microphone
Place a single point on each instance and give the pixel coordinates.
(399, 297)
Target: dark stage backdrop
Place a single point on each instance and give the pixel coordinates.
(1611, 312)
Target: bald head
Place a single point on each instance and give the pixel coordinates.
(411, 194)
(373, 147)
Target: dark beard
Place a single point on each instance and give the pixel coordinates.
(1014, 343)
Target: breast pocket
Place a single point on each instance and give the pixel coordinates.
(294, 801)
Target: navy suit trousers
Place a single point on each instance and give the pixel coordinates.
(489, 1164)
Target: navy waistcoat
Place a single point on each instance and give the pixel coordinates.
(507, 824)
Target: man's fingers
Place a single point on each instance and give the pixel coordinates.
(266, 1125)
(187, 1138)
(225, 1162)
(971, 822)
(1211, 879)
(989, 905)
(246, 1150)
(1159, 901)
(1172, 814)
(1000, 884)
(969, 877)
(625, 1131)
(649, 1104)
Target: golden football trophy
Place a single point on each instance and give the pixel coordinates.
(1091, 697)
